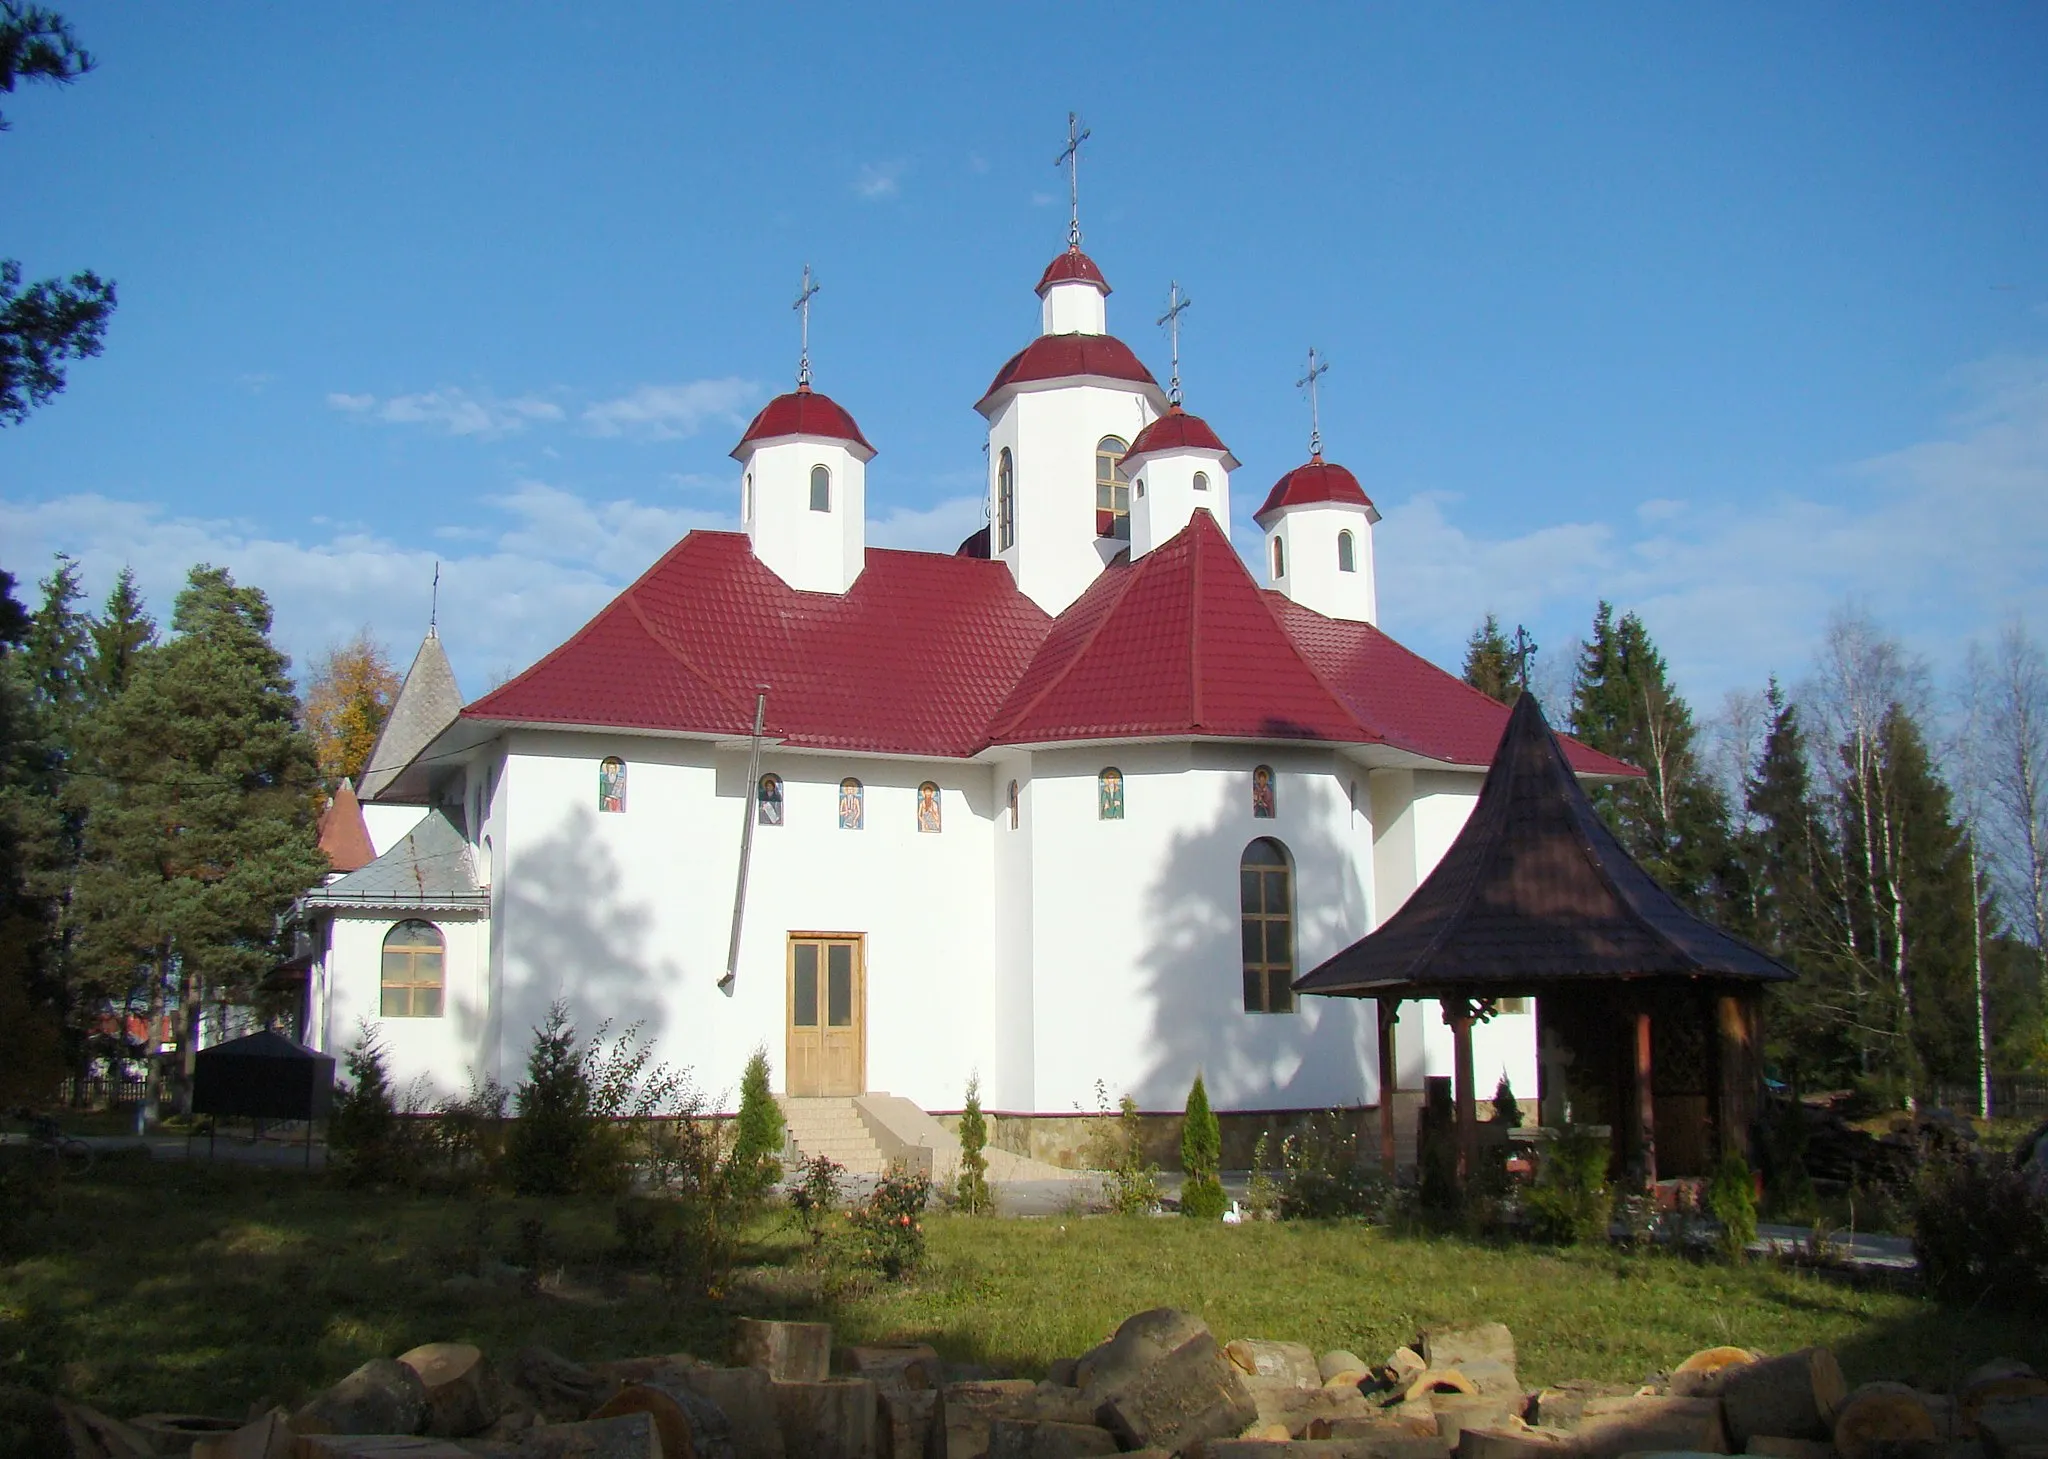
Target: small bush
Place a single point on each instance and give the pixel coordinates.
(1570, 1200)
(756, 1161)
(550, 1147)
(1262, 1192)
(1117, 1148)
(971, 1194)
(1201, 1152)
(1732, 1199)
(1324, 1176)
(815, 1196)
(364, 1142)
(1981, 1233)
(889, 1226)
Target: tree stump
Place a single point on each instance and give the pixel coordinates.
(381, 1397)
(1616, 1426)
(1013, 1438)
(907, 1423)
(691, 1426)
(1793, 1396)
(2000, 1381)
(1193, 1393)
(747, 1398)
(968, 1410)
(458, 1394)
(1879, 1417)
(831, 1419)
(791, 1352)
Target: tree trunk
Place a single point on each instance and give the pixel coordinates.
(1880, 1418)
(457, 1395)
(1977, 965)
(1793, 1396)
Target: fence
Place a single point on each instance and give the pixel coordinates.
(2012, 1098)
(103, 1093)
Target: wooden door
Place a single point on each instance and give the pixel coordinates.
(828, 1015)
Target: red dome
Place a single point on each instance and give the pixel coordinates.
(1072, 267)
(1318, 481)
(1063, 356)
(804, 412)
(1176, 431)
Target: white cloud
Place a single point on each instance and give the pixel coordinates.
(664, 412)
(877, 181)
(453, 409)
(940, 528)
(1043, 200)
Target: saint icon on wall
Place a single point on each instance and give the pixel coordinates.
(1262, 793)
(849, 804)
(611, 786)
(768, 801)
(1109, 795)
(928, 807)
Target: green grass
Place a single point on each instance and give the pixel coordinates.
(200, 1288)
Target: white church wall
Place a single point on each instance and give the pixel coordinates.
(441, 1052)
(812, 551)
(388, 824)
(1169, 499)
(1140, 972)
(1073, 308)
(1010, 1082)
(1313, 577)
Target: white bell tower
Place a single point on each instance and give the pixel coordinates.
(1318, 523)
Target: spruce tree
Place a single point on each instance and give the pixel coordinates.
(1490, 662)
(548, 1150)
(121, 632)
(29, 1066)
(755, 1163)
(1201, 1156)
(971, 1192)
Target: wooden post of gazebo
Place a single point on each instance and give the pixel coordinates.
(1736, 1071)
(1458, 1013)
(1389, 1015)
(1641, 1124)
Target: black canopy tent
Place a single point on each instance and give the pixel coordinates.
(1537, 898)
(264, 1076)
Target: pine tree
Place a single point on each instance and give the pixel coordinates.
(548, 1148)
(121, 632)
(29, 1064)
(1201, 1156)
(347, 701)
(199, 832)
(1673, 820)
(757, 1142)
(971, 1189)
(1490, 662)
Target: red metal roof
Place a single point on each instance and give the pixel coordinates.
(1066, 356)
(1176, 430)
(1316, 481)
(803, 412)
(1073, 266)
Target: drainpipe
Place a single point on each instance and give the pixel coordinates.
(747, 813)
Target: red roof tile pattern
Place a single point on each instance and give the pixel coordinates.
(1317, 481)
(1073, 266)
(1176, 431)
(1066, 357)
(343, 836)
(803, 412)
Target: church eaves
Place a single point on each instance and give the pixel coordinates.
(427, 703)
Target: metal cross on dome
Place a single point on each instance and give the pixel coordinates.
(1176, 301)
(1316, 369)
(803, 307)
(1071, 160)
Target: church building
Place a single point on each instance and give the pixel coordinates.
(1071, 807)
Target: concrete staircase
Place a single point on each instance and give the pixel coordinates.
(835, 1128)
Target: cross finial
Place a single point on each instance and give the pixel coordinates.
(434, 606)
(1176, 301)
(803, 307)
(1525, 655)
(1071, 160)
(1316, 369)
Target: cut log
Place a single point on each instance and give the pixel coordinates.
(1878, 1418)
(1415, 1416)
(1137, 1344)
(622, 1436)
(912, 1366)
(2001, 1381)
(557, 1389)
(746, 1397)
(1562, 1405)
(1793, 1396)
(1402, 1366)
(266, 1437)
(1453, 1347)
(2014, 1429)
(458, 1392)
(1055, 1404)
(1702, 1374)
(1614, 1426)
(691, 1426)
(967, 1410)
(621, 1371)
(100, 1436)
(1456, 1412)
(1439, 1380)
(832, 1419)
(1367, 1448)
(1290, 1363)
(792, 1352)
(906, 1423)
(176, 1433)
(1782, 1448)
(375, 1446)
(1193, 1393)
(1385, 1441)
(1014, 1438)
(1339, 1365)
(1301, 1409)
(1064, 1371)
(381, 1397)
(1512, 1441)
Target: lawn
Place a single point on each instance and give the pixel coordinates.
(173, 1286)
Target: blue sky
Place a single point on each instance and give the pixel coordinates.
(1730, 314)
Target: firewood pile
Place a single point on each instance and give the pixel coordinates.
(1160, 1385)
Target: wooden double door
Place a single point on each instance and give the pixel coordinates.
(828, 1019)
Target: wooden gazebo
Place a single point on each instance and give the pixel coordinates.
(1648, 1016)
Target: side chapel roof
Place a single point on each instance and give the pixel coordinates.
(343, 836)
(427, 703)
(429, 867)
(804, 412)
(1534, 891)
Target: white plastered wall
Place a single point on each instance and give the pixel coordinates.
(814, 552)
(1308, 537)
(441, 1052)
(1169, 500)
(1073, 308)
(388, 824)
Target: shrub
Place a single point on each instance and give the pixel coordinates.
(363, 1138)
(1981, 1232)
(1201, 1152)
(1507, 1110)
(1324, 1175)
(815, 1196)
(1570, 1200)
(1262, 1192)
(1732, 1198)
(756, 1161)
(550, 1146)
(970, 1189)
(889, 1225)
(1116, 1147)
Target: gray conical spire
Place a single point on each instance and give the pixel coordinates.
(427, 704)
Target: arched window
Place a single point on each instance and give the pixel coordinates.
(1279, 560)
(821, 489)
(611, 786)
(1109, 795)
(928, 808)
(768, 801)
(1265, 804)
(1013, 805)
(852, 813)
(1006, 502)
(412, 976)
(1201, 481)
(1266, 901)
(1112, 490)
(1347, 558)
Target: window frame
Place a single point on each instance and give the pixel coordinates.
(1006, 500)
(415, 986)
(1347, 551)
(1272, 980)
(1112, 491)
(1201, 481)
(821, 477)
(1279, 559)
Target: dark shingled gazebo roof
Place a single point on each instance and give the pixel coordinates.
(1534, 893)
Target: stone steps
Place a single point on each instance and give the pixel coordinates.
(832, 1128)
